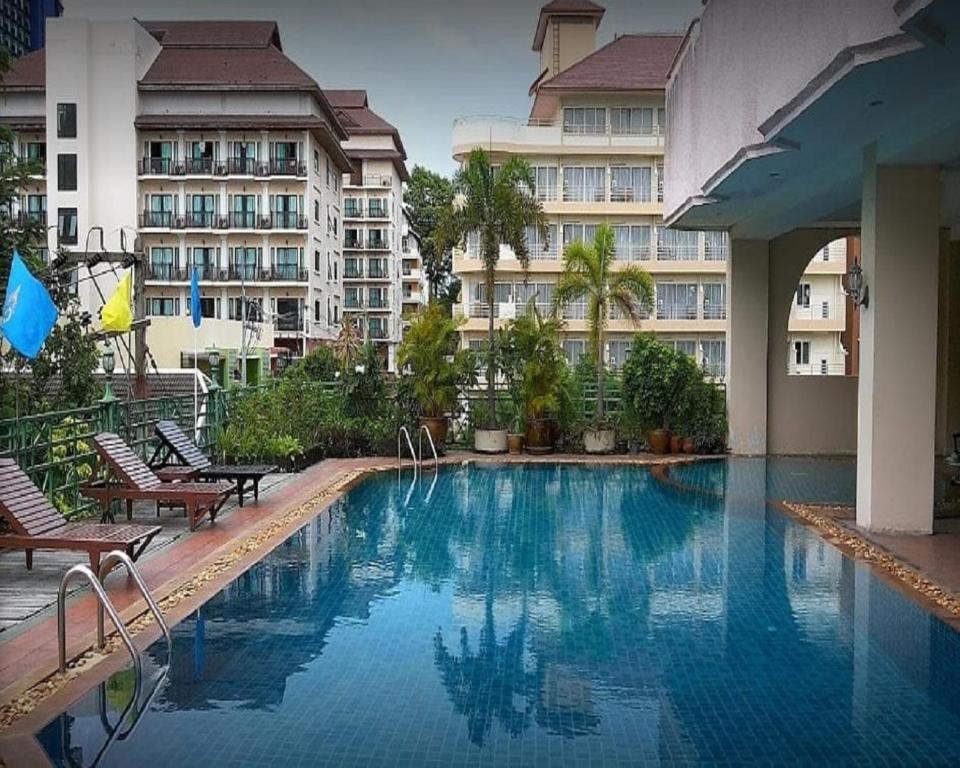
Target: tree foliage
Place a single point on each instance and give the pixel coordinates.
(498, 204)
(589, 274)
(427, 195)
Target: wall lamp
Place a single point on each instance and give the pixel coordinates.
(855, 287)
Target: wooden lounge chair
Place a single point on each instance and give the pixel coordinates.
(175, 443)
(36, 524)
(135, 481)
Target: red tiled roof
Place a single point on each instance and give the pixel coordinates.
(265, 67)
(565, 8)
(27, 73)
(357, 117)
(629, 63)
(214, 34)
(347, 99)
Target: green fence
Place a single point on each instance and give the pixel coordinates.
(56, 449)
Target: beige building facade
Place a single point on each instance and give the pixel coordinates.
(596, 140)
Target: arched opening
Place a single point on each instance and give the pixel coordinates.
(823, 328)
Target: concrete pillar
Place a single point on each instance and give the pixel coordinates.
(898, 348)
(747, 299)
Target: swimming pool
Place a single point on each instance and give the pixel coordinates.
(544, 614)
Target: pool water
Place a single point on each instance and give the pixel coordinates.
(544, 615)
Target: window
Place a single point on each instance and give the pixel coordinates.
(714, 301)
(378, 209)
(676, 245)
(352, 208)
(629, 185)
(67, 226)
(159, 211)
(803, 295)
(162, 263)
(631, 121)
(208, 307)
(585, 120)
(201, 210)
(336, 314)
(631, 242)
(286, 264)
(36, 153)
(537, 246)
(316, 161)
(316, 211)
(801, 352)
(243, 211)
(574, 349)
(715, 246)
(204, 259)
(200, 157)
(546, 182)
(244, 263)
(67, 173)
(316, 310)
(37, 209)
(243, 157)
(676, 301)
(163, 307)
(285, 211)
(316, 262)
(159, 157)
(351, 298)
(584, 184)
(715, 358)
(66, 121)
(659, 181)
(582, 232)
(619, 350)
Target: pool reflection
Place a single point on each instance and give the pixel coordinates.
(541, 614)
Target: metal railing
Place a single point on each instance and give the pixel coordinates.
(404, 432)
(119, 557)
(433, 448)
(105, 604)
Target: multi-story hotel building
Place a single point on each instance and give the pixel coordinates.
(373, 223)
(213, 149)
(595, 140)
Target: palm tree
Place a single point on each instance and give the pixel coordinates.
(498, 204)
(589, 273)
(348, 344)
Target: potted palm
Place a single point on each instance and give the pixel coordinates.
(498, 206)
(540, 369)
(429, 354)
(590, 274)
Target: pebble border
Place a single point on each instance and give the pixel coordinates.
(837, 534)
(24, 704)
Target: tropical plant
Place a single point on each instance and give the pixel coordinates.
(348, 344)
(363, 385)
(534, 360)
(438, 368)
(497, 205)
(320, 364)
(427, 196)
(656, 379)
(589, 274)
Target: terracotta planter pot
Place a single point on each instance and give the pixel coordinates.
(490, 440)
(515, 444)
(437, 428)
(599, 440)
(676, 444)
(688, 446)
(659, 440)
(539, 436)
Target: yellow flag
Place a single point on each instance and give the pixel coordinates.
(116, 314)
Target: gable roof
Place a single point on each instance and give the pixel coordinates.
(584, 8)
(352, 107)
(214, 34)
(628, 63)
(27, 73)
(238, 67)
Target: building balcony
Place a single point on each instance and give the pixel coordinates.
(157, 220)
(198, 166)
(242, 220)
(352, 304)
(378, 212)
(201, 220)
(242, 166)
(165, 272)
(289, 322)
(370, 180)
(378, 304)
(30, 218)
(285, 167)
(234, 166)
(677, 312)
(377, 332)
(378, 274)
(714, 311)
(353, 243)
(512, 135)
(352, 274)
(206, 272)
(353, 212)
(284, 220)
(378, 244)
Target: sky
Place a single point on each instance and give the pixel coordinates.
(423, 63)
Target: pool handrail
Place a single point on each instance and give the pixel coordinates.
(81, 570)
(433, 447)
(121, 557)
(406, 433)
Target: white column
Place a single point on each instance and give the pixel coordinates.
(747, 310)
(898, 348)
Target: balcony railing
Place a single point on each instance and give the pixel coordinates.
(584, 194)
(205, 271)
(156, 166)
(378, 273)
(243, 272)
(377, 332)
(162, 272)
(286, 220)
(353, 212)
(677, 252)
(157, 219)
(242, 166)
(677, 312)
(714, 311)
(287, 167)
(352, 274)
(632, 252)
(243, 220)
(198, 166)
(378, 212)
(290, 272)
(821, 307)
(289, 322)
(821, 368)
(376, 303)
(351, 303)
(546, 193)
(715, 370)
(200, 219)
(377, 243)
(27, 218)
(629, 195)
(353, 242)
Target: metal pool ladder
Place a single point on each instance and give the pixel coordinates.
(416, 461)
(436, 461)
(105, 604)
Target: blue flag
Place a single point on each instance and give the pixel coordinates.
(29, 313)
(195, 297)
